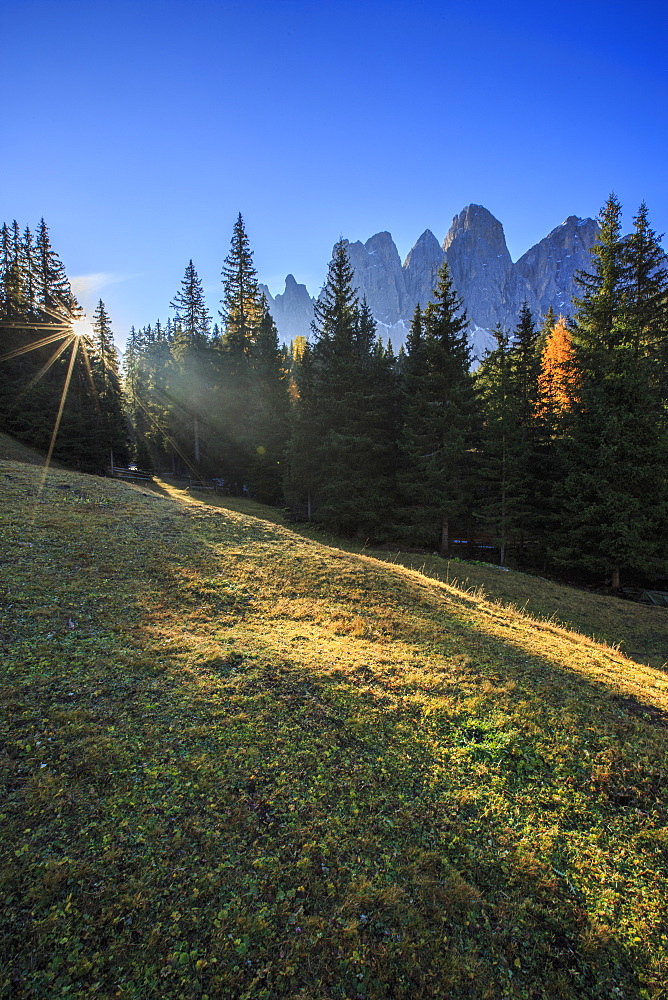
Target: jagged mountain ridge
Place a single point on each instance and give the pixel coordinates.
(492, 287)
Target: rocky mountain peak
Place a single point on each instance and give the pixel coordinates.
(421, 268)
(551, 266)
(477, 229)
(482, 270)
(492, 288)
(292, 310)
(426, 247)
(379, 277)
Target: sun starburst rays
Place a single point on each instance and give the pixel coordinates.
(66, 330)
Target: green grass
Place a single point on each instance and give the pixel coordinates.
(242, 763)
(640, 633)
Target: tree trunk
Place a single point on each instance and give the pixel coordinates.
(308, 504)
(196, 442)
(615, 584)
(445, 536)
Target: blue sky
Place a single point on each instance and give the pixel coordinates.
(140, 129)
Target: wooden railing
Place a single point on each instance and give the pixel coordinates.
(139, 474)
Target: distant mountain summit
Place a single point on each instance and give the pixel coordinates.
(292, 310)
(492, 287)
(550, 267)
(421, 268)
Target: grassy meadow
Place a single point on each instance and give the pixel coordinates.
(241, 763)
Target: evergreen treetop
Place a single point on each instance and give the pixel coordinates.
(337, 308)
(191, 315)
(241, 303)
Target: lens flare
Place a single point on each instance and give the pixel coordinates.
(82, 328)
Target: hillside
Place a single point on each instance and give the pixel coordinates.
(12, 450)
(241, 763)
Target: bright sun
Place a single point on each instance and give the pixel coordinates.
(81, 328)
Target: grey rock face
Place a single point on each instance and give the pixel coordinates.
(491, 286)
(482, 271)
(550, 267)
(379, 277)
(292, 310)
(421, 269)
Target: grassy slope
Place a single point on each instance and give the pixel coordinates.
(640, 633)
(12, 450)
(240, 763)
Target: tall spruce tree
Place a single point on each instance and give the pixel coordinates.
(615, 503)
(241, 303)
(500, 452)
(525, 365)
(42, 364)
(190, 312)
(646, 299)
(321, 416)
(106, 373)
(242, 314)
(54, 293)
(305, 470)
(269, 412)
(343, 446)
(440, 417)
(192, 372)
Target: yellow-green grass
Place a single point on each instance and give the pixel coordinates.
(242, 763)
(640, 631)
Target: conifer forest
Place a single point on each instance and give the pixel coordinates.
(551, 454)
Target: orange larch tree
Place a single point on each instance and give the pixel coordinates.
(557, 379)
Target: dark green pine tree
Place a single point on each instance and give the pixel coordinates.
(34, 342)
(530, 467)
(646, 299)
(334, 331)
(515, 459)
(29, 270)
(147, 367)
(323, 376)
(359, 489)
(378, 405)
(105, 366)
(241, 303)
(344, 437)
(614, 515)
(498, 467)
(192, 373)
(440, 420)
(336, 311)
(131, 396)
(190, 312)
(16, 294)
(16, 369)
(269, 412)
(305, 470)
(242, 314)
(53, 291)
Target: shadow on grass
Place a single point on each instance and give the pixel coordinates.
(223, 811)
(641, 632)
